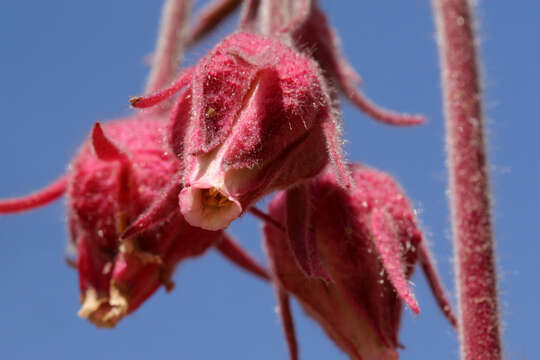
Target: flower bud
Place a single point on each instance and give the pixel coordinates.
(365, 243)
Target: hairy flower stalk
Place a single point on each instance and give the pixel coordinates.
(351, 275)
(470, 203)
(38, 199)
(172, 39)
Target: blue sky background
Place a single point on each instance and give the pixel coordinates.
(66, 64)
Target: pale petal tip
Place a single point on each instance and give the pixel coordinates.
(103, 311)
(208, 207)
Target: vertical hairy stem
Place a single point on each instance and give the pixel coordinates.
(273, 15)
(469, 186)
(171, 42)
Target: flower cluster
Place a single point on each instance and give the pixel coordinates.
(258, 114)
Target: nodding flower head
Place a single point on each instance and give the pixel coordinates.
(361, 247)
(122, 174)
(255, 116)
(121, 177)
(125, 175)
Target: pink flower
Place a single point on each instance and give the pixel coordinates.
(123, 218)
(347, 257)
(255, 117)
(111, 185)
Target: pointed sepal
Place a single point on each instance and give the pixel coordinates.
(386, 241)
(104, 148)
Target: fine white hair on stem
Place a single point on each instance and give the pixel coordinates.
(172, 39)
(470, 200)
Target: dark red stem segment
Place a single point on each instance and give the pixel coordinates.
(37, 199)
(376, 112)
(267, 218)
(287, 321)
(479, 325)
(236, 254)
(210, 17)
(434, 281)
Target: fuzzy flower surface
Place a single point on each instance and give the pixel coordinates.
(255, 116)
(363, 248)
